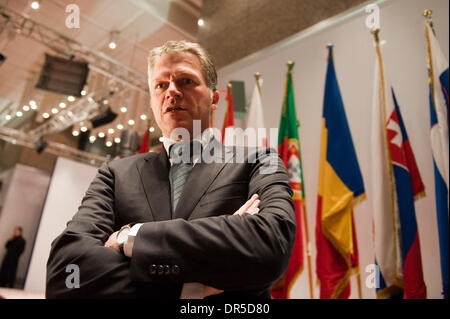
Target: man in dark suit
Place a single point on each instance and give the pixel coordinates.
(14, 248)
(217, 221)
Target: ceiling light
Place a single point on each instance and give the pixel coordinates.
(151, 129)
(83, 129)
(62, 105)
(131, 122)
(109, 144)
(101, 135)
(70, 98)
(123, 109)
(83, 93)
(117, 140)
(143, 117)
(200, 22)
(75, 133)
(92, 138)
(110, 131)
(113, 40)
(54, 110)
(8, 117)
(34, 106)
(35, 5)
(26, 108)
(161, 139)
(32, 102)
(46, 115)
(19, 114)
(119, 126)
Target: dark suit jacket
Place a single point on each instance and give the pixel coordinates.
(204, 242)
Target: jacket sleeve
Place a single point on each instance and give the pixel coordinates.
(103, 272)
(228, 252)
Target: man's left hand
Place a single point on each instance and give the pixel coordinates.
(112, 242)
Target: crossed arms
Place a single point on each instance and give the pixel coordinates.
(231, 251)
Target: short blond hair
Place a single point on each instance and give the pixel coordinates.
(172, 47)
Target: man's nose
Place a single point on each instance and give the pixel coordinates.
(173, 91)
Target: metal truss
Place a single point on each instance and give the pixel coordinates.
(20, 138)
(69, 48)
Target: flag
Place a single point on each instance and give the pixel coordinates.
(396, 185)
(340, 188)
(289, 150)
(144, 148)
(228, 121)
(255, 117)
(438, 86)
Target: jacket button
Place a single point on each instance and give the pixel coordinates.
(160, 269)
(166, 270)
(175, 269)
(153, 269)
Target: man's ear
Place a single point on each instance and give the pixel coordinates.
(215, 100)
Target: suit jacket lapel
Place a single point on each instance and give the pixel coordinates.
(201, 177)
(154, 172)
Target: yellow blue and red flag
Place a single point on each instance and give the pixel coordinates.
(396, 186)
(340, 187)
(438, 86)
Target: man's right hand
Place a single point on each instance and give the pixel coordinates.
(250, 207)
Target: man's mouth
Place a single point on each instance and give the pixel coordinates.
(174, 109)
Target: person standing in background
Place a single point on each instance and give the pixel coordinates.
(14, 248)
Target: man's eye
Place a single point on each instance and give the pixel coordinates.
(188, 81)
(160, 85)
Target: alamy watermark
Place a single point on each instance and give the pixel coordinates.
(213, 152)
(73, 279)
(373, 19)
(73, 19)
(373, 279)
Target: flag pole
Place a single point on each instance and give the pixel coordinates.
(305, 218)
(257, 75)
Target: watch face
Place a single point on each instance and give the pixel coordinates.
(122, 236)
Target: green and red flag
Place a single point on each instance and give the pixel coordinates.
(289, 150)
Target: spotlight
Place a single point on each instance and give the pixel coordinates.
(131, 122)
(110, 131)
(200, 22)
(55, 110)
(40, 145)
(117, 140)
(45, 115)
(123, 109)
(35, 5)
(92, 138)
(113, 40)
(151, 129)
(109, 144)
(101, 135)
(70, 98)
(34, 106)
(26, 108)
(8, 117)
(119, 126)
(83, 129)
(75, 133)
(143, 117)
(62, 105)
(19, 114)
